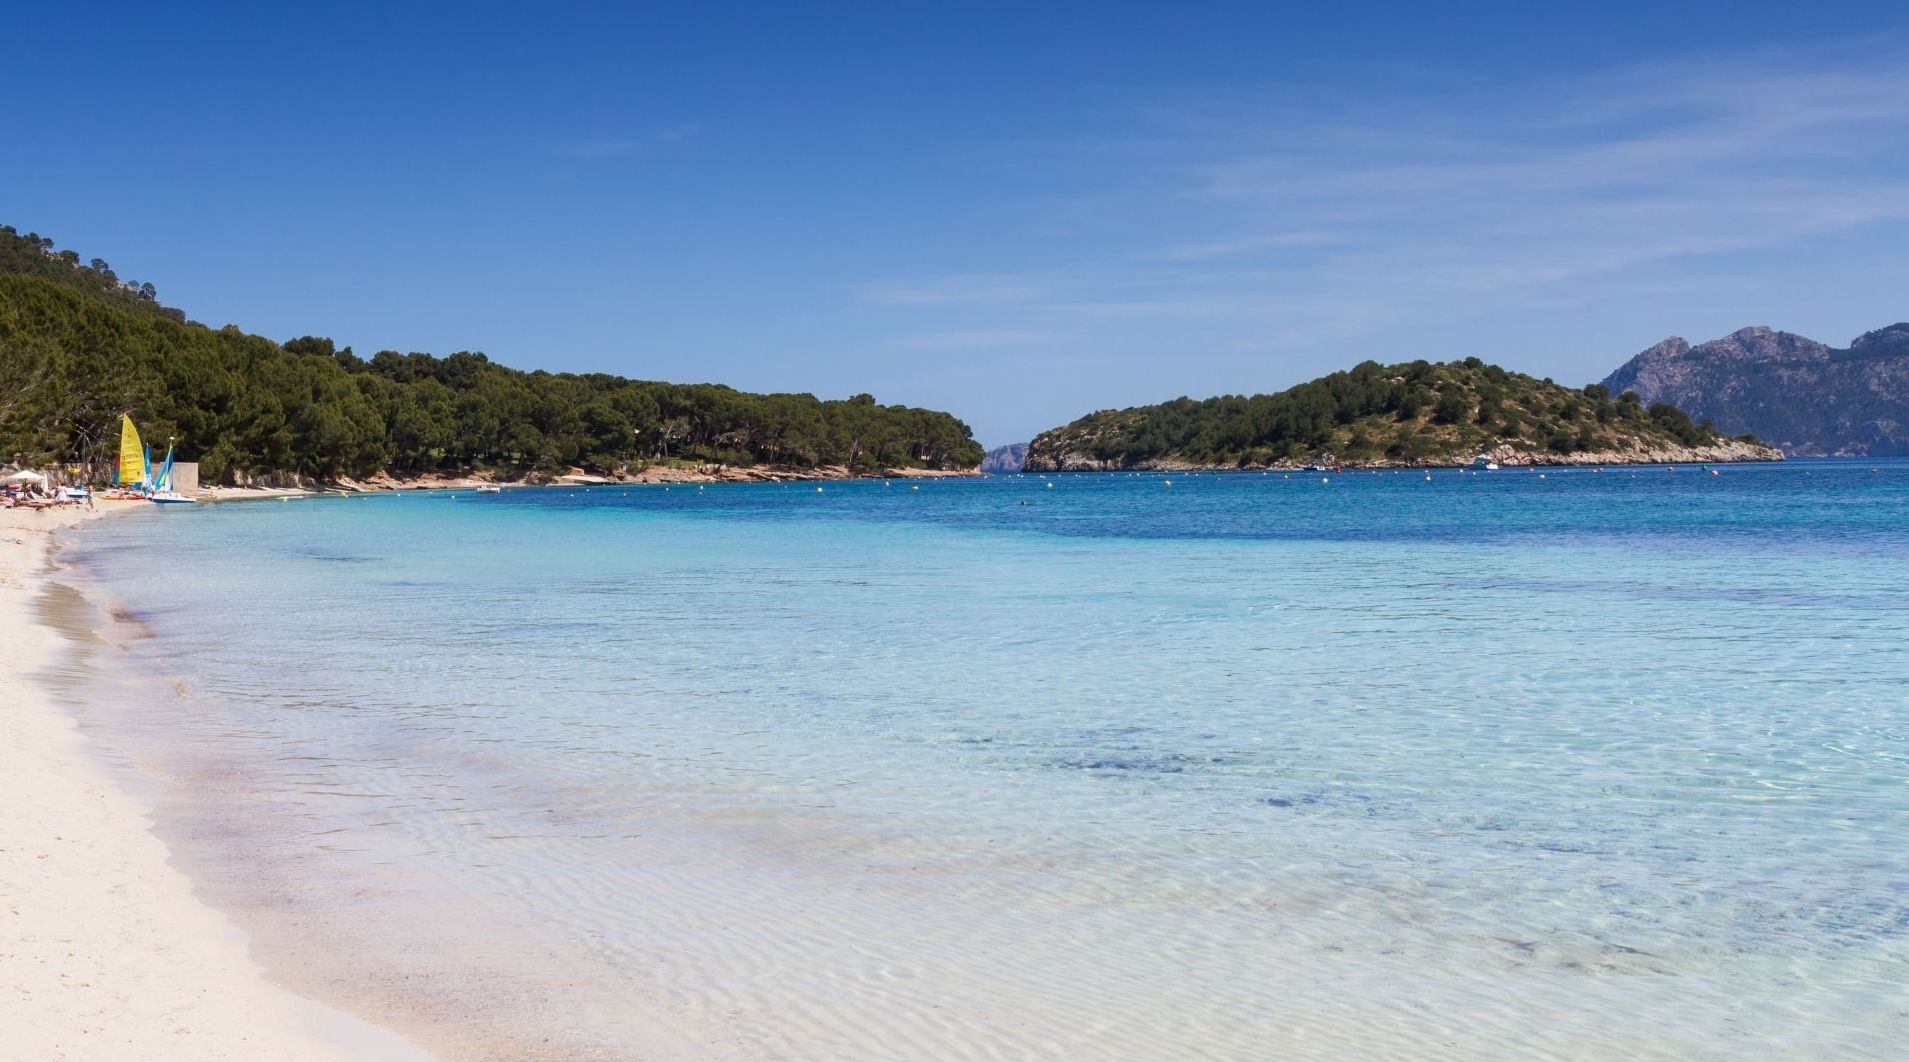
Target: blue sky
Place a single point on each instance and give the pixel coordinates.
(1018, 213)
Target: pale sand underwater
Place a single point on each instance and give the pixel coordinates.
(105, 952)
(487, 773)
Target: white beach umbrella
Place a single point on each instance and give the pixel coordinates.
(24, 476)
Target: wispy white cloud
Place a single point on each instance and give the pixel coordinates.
(1323, 223)
(1246, 245)
(958, 289)
(983, 338)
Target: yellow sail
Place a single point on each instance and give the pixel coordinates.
(132, 456)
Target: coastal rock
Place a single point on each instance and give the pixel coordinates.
(1723, 451)
(1506, 456)
(661, 474)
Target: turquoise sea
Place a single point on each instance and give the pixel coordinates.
(1566, 765)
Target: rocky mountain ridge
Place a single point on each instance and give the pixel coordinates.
(1791, 391)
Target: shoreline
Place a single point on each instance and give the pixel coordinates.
(107, 950)
(384, 483)
(1726, 453)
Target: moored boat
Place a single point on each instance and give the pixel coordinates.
(162, 492)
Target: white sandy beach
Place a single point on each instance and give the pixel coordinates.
(105, 952)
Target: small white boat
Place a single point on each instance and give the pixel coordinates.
(1484, 463)
(490, 488)
(172, 497)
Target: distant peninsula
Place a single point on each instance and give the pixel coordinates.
(1808, 398)
(1411, 414)
(79, 347)
(1007, 458)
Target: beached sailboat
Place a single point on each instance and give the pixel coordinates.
(135, 461)
(162, 491)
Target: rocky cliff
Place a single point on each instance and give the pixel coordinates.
(1789, 390)
(1007, 458)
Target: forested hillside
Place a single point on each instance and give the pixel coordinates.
(1414, 413)
(79, 347)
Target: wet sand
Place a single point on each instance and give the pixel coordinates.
(105, 950)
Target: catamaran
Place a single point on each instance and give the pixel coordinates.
(162, 491)
(135, 475)
(135, 461)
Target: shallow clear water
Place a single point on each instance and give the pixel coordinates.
(1575, 765)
